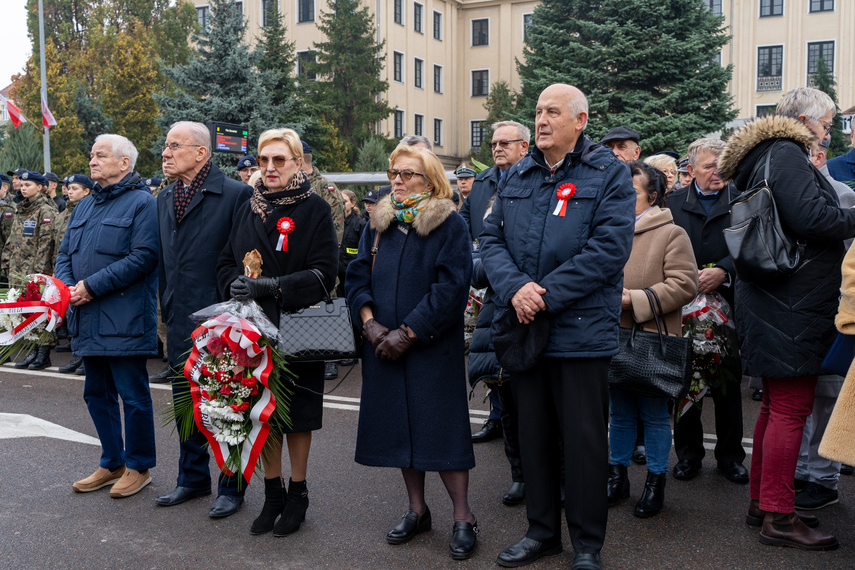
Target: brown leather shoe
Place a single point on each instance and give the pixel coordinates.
(786, 529)
(101, 478)
(131, 483)
(755, 516)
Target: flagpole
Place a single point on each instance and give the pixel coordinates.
(46, 145)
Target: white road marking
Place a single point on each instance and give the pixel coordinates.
(24, 425)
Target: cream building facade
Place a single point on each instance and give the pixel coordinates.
(442, 56)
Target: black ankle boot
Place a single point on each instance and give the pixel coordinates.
(274, 503)
(295, 509)
(653, 497)
(72, 366)
(29, 359)
(618, 484)
(42, 360)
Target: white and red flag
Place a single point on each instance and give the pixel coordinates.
(15, 114)
(47, 116)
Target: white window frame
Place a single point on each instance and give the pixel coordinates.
(422, 31)
(441, 79)
(472, 82)
(403, 80)
(441, 25)
(416, 122)
(416, 61)
(472, 32)
(832, 11)
(471, 145)
(758, 105)
(807, 54)
(403, 123)
(299, 61)
(783, 47)
(441, 141)
(297, 13)
(403, 21)
(783, 10)
(207, 8)
(262, 13)
(522, 34)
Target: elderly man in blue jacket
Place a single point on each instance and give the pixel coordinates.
(108, 258)
(554, 247)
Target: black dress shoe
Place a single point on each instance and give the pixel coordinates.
(181, 494)
(639, 455)
(411, 524)
(72, 366)
(586, 561)
(330, 371)
(515, 494)
(162, 377)
(464, 539)
(734, 470)
(492, 429)
(225, 505)
(527, 551)
(757, 395)
(686, 470)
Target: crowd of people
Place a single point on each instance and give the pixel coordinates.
(571, 240)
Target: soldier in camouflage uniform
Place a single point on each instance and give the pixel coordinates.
(7, 209)
(30, 249)
(324, 188)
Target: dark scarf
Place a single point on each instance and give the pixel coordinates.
(263, 201)
(183, 196)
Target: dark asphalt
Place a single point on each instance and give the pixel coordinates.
(44, 524)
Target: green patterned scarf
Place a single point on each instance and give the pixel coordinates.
(408, 209)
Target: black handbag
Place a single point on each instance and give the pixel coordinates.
(519, 346)
(757, 243)
(318, 332)
(652, 364)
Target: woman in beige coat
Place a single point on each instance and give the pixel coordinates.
(662, 260)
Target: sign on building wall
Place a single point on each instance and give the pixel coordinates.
(847, 123)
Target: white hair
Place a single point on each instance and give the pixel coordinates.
(524, 131)
(122, 147)
(199, 133)
(807, 101)
(715, 146)
(413, 140)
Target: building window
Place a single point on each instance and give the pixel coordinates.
(476, 134)
(399, 123)
(418, 75)
(398, 9)
(437, 25)
(481, 32)
(481, 83)
(419, 126)
(437, 132)
(771, 8)
(239, 6)
(303, 59)
(437, 79)
(203, 15)
(398, 70)
(714, 6)
(765, 110)
(305, 11)
(817, 51)
(268, 12)
(418, 12)
(527, 18)
(821, 5)
(770, 61)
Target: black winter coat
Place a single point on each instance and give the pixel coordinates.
(353, 226)
(475, 206)
(786, 326)
(189, 252)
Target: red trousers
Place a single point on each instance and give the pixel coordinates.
(787, 402)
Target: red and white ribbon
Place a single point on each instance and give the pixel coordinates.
(52, 308)
(285, 226)
(563, 193)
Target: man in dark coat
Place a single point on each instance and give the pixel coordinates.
(509, 145)
(195, 215)
(842, 168)
(562, 259)
(703, 210)
(108, 260)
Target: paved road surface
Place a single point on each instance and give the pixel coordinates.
(44, 524)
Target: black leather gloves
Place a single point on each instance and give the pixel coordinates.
(245, 288)
(395, 344)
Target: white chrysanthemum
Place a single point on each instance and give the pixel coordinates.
(13, 295)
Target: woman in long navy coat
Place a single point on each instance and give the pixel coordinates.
(409, 301)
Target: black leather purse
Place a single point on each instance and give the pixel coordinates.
(318, 332)
(652, 364)
(757, 243)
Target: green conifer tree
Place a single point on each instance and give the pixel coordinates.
(501, 104)
(824, 81)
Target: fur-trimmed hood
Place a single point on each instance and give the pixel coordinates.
(430, 216)
(751, 134)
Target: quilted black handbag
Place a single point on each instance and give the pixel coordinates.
(652, 364)
(757, 243)
(318, 332)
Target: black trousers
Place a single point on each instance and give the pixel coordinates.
(689, 432)
(510, 428)
(569, 398)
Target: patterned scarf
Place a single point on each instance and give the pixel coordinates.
(408, 209)
(183, 196)
(263, 201)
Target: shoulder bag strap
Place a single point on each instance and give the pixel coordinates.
(374, 249)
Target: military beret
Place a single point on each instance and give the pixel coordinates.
(81, 179)
(153, 181)
(247, 162)
(371, 196)
(4, 178)
(36, 177)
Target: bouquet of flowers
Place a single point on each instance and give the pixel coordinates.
(708, 321)
(29, 314)
(237, 385)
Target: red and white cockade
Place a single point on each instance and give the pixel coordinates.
(563, 193)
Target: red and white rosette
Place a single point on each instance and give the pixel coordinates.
(285, 226)
(240, 336)
(51, 309)
(564, 193)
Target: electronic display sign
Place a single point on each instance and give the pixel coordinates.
(229, 138)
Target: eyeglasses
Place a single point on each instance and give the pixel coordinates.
(503, 144)
(278, 161)
(406, 175)
(825, 126)
(174, 146)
